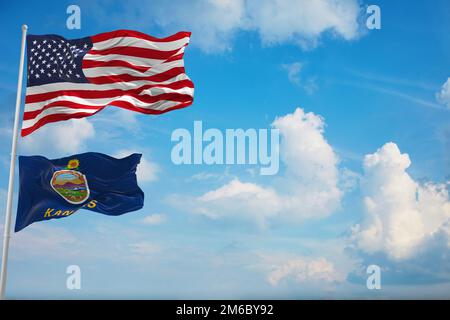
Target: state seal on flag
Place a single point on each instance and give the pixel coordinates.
(71, 184)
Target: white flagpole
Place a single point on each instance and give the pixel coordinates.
(7, 226)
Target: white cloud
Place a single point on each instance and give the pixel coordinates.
(154, 219)
(303, 21)
(401, 213)
(215, 23)
(302, 270)
(58, 138)
(245, 199)
(147, 171)
(444, 95)
(308, 189)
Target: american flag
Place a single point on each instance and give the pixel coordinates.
(127, 69)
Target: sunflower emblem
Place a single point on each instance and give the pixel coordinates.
(73, 164)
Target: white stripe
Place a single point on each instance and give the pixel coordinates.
(67, 86)
(102, 101)
(137, 42)
(54, 110)
(159, 105)
(107, 71)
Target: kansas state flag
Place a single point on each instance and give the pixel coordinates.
(53, 189)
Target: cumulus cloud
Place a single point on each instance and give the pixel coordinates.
(215, 23)
(154, 219)
(308, 188)
(302, 269)
(147, 171)
(303, 21)
(58, 138)
(402, 215)
(238, 198)
(444, 95)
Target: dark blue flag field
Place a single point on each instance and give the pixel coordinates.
(53, 189)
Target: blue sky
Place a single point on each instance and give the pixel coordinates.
(374, 115)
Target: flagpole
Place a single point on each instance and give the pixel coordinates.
(9, 201)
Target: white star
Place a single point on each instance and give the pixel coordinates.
(37, 75)
(34, 42)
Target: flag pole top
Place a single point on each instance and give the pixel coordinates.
(24, 27)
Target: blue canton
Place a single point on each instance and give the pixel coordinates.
(53, 59)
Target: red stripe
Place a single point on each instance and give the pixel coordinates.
(92, 94)
(112, 63)
(160, 77)
(136, 52)
(175, 57)
(30, 115)
(176, 97)
(120, 104)
(54, 118)
(129, 106)
(136, 34)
